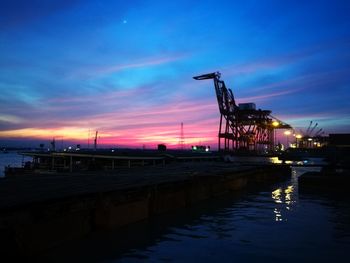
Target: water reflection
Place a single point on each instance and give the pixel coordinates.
(306, 162)
(284, 198)
(275, 160)
(289, 192)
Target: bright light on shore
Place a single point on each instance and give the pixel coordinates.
(275, 123)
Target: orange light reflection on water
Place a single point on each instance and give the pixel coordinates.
(284, 199)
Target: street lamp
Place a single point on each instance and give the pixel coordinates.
(298, 136)
(309, 144)
(275, 124)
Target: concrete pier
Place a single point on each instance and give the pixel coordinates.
(329, 179)
(38, 212)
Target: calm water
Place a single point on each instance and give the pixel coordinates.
(265, 224)
(13, 159)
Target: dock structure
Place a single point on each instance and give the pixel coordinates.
(108, 160)
(38, 212)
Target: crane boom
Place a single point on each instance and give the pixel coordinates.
(308, 128)
(242, 127)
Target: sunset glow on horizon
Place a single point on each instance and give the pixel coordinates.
(70, 68)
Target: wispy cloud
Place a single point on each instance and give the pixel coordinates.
(268, 96)
(98, 71)
(10, 118)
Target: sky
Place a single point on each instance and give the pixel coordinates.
(125, 68)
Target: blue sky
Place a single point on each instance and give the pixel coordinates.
(125, 67)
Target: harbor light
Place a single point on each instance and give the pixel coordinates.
(200, 148)
(287, 133)
(275, 123)
(297, 136)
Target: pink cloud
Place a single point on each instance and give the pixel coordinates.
(142, 124)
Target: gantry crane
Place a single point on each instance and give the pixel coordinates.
(242, 127)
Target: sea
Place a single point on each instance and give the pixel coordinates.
(269, 223)
(13, 159)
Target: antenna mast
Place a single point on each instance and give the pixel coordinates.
(95, 141)
(88, 139)
(182, 137)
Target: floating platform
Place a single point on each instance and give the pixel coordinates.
(87, 160)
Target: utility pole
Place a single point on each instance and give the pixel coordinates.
(53, 144)
(88, 139)
(95, 141)
(182, 137)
